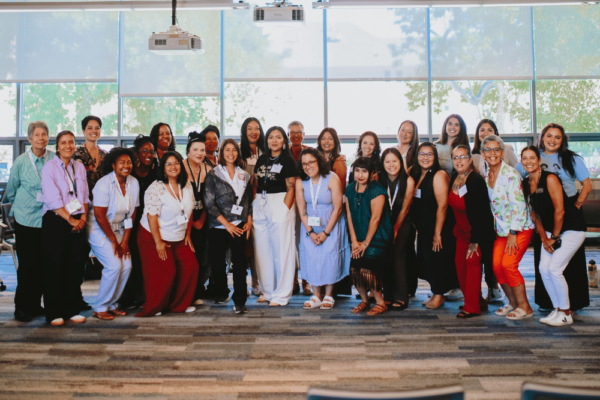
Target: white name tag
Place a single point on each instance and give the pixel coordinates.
(418, 193)
(74, 205)
(182, 219)
(39, 197)
(314, 221)
(462, 191)
(237, 210)
(539, 190)
(128, 223)
(276, 168)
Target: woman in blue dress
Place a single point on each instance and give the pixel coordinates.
(324, 246)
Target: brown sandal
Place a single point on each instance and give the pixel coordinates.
(117, 312)
(360, 308)
(104, 315)
(378, 309)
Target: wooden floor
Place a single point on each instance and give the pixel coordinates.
(278, 353)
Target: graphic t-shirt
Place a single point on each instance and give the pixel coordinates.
(275, 181)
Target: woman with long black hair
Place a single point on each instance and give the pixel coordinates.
(368, 146)
(408, 141)
(487, 127)
(162, 139)
(454, 133)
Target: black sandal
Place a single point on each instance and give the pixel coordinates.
(398, 305)
(465, 315)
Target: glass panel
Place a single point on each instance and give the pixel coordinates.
(145, 73)
(567, 41)
(8, 109)
(357, 107)
(59, 45)
(63, 105)
(377, 43)
(573, 103)
(507, 103)
(590, 153)
(6, 161)
(481, 42)
(274, 103)
(183, 114)
(273, 51)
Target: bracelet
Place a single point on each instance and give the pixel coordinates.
(554, 237)
(327, 234)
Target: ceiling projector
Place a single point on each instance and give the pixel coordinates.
(176, 41)
(281, 12)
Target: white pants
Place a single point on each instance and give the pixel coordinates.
(274, 246)
(553, 265)
(114, 275)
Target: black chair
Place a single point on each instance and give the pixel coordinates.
(440, 393)
(2, 230)
(8, 238)
(539, 391)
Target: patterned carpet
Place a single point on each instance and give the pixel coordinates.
(278, 353)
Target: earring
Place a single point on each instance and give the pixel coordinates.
(284, 146)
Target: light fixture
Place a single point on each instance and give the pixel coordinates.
(161, 5)
(332, 4)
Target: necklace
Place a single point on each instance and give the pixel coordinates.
(359, 198)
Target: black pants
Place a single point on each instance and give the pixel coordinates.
(412, 281)
(134, 289)
(395, 284)
(64, 255)
(219, 241)
(200, 243)
(30, 279)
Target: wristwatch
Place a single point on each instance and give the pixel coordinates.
(311, 231)
(513, 232)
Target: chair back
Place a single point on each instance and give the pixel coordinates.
(9, 221)
(442, 393)
(539, 391)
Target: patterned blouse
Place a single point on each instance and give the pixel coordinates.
(93, 175)
(508, 202)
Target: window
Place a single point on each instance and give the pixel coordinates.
(63, 105)
(6, 161)
(590, 153)
(573, 103)
(183, 114)
(8, 109)
(357, 107)
(274, 104)
(507, 103)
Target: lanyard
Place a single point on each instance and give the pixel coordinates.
(197, 182)
(180, 196)
(392, 200)
(125, 196)
(33, 162)
(235, 182)
(71, 181)
(267, 173)
(314, 198)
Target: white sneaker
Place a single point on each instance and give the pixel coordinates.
(158, 314)
(549, 317)
(190, 309)
(495, 295)
(77, 318)
(454, 294)
(561, 319)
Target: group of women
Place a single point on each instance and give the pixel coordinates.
(163, 226)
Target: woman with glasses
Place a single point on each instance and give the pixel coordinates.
(274, 218)
(324, 246)
(454, 133)
(561, 227)
(64, 245)
(436, 244)
(370, 147)
(197, 171)
(164, 239)
(570, 168)
(144, 170)
(514, 228)
(24, 192)
(474, 229)
(487, 127)
(162, 139)
(400, 188)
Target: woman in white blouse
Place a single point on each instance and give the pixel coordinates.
(116, 196)
(168, 262)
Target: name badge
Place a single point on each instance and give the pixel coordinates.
(128, 223)
(314, 221)
(276, 168)
(264, 194)
(39, 197)
(74, 205)
(182, 219)
(418, 193)
(539, 190)
(237, 210)
(462, 191)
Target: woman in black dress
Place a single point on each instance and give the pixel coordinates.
(433, 224)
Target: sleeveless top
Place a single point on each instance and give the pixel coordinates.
(541, 203)
(360, 210)
(423, 210)
(323, 197)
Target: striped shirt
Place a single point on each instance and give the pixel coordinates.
(23, 186)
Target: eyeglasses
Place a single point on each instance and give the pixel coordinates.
(169, 164)
(463, 157)
(308, 164)
(494, 150)
(425, 155)
(296, 133)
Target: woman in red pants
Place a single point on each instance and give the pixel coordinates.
(169, 265)
(474, 229)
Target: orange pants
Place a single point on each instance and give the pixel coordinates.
(506, 267)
